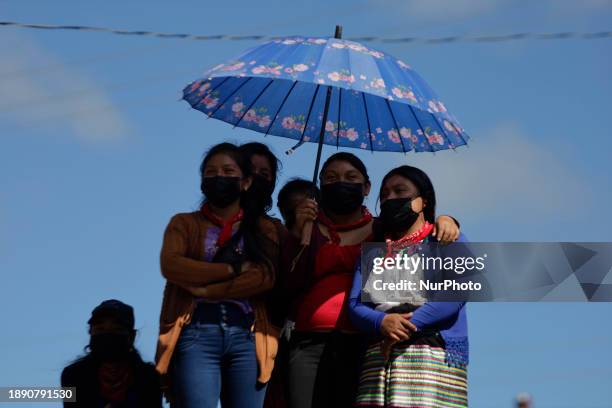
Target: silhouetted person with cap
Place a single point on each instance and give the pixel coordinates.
(112, 374)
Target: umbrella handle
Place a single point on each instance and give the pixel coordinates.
(307, 233)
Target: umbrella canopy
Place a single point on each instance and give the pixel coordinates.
(289, 86)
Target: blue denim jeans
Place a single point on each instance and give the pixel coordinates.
(215, 359)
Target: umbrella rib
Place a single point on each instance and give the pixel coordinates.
(254, 101)
(459, 133)
(396, 125)
(309, 112)
(339, 113)
(450, 144)
(229, 96)
(280, 107)
(365, 105)
(422, 129)
(209, 91)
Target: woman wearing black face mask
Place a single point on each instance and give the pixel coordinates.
(325, 346)
(215, 334)
(112, 374)
(415, 340)
(264, 168)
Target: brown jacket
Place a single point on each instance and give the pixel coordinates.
(182, 265)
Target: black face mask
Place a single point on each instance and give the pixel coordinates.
(261, 190)
(110, 346)
(396, 214)
(221, 191)
(341, 197)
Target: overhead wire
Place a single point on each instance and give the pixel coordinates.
(567, 35)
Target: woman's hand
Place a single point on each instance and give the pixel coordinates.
(446, 229)
(305, 211)
(397, 327)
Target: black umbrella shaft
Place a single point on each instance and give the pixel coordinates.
(322, 134)
(338, 34)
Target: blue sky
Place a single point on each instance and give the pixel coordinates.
(98, 152)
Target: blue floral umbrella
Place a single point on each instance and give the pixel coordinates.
(291, 86)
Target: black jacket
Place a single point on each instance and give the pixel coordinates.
(82, 374)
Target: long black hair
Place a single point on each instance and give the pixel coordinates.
(255, 148)
(424, 186)
(249, 229)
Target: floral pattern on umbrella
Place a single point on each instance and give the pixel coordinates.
(377, 103)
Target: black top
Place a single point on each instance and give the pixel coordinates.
(82, 374)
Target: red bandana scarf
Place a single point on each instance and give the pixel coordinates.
(225, 225)
(410, 239)
(366, 217)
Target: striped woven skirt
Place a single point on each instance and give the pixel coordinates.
(415, 375)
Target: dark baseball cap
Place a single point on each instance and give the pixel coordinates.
(115, 309)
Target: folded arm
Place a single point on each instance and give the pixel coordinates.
(182, 270)
(254, 279)
(432, 313)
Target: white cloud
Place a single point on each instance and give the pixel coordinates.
(504, 174)
(61, 99)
